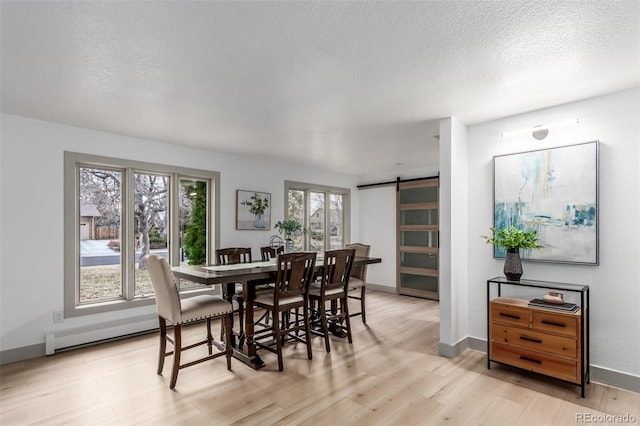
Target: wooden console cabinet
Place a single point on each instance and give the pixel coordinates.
(543, 340)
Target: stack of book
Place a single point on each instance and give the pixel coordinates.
(565, 307)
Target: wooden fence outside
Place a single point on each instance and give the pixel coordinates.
(107, 232)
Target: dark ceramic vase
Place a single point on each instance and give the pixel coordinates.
(513, 265)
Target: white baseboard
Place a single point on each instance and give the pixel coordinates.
(382, 288)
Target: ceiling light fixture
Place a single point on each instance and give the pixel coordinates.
(538, 131)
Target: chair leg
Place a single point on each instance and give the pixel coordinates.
(163, 343)
(209, 336)
(325, 325)
(307, 329)
(278, 337)
(227, 327)
(177, 338)
(345, 311)
(364, 315)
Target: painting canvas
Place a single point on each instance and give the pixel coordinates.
(253, 210)
(554, 191)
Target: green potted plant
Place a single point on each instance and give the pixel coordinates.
(288, 227)
(513, 239)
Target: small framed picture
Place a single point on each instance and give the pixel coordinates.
(253, 210)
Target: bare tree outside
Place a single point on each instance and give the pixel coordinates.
(151, 221)
(123, 214)
(103, 189)
(151, 201)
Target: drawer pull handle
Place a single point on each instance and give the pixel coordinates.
(502, 314)
(557, 324)
(524, 358)
(529, 339)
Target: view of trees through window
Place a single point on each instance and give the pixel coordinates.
(151, 224)
(324, 227)
(100, 241)
(102, 213)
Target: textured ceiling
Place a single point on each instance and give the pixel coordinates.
(353, 87)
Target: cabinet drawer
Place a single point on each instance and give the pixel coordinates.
(566, 325)
(540, 342)
(537, 362)
(509, 315)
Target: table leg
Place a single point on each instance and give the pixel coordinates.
(249, 355)
(249, 294)
(229, 290)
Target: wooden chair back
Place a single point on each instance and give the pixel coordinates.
(295, 273)
(269, 252)
(233, 255)
(337, 269)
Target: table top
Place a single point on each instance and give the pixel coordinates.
(541, 284)
(243, 272)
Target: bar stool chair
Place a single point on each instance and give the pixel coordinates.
(333, 288)
(358, 279)
(178, 312)
(295, 272)
(267, 253)
(232, 256)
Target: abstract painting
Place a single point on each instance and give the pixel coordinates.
(555, 192)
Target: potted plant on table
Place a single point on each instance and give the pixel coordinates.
(288, 227)
(513, 239)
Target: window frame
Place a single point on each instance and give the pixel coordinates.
(307, 188)
(72, 162)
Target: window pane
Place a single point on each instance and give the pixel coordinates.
(324, 224)
(316, 221)
(419, 282)
(419, 217)
(419, 238)
(335, 222)
(419, 260)
(193, 226)
(100, 241)
(296, 211)
(151, 224)
(419, 195)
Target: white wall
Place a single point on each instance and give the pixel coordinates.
(377, 222)
(615, 283)
(31, 216)
(453, 236)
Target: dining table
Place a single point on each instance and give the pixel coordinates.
(248, 275)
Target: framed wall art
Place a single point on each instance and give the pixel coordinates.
(253, 210)
(555, 192)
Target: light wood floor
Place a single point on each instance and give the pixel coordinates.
(391, 375)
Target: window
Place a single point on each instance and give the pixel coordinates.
(322, 212)
(116, 212)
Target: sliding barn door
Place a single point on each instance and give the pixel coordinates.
(417, 217)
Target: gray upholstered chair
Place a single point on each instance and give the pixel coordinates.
(295, 272)
(179, 312)
(358, 279)
(333, 288)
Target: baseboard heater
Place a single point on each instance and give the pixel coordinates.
(97, 333)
